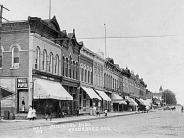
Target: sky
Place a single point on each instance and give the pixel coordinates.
(158, 60)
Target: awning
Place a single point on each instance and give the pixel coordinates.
(92, 94)
(147, 102)
(131, 101)
(103, 95)
(140, 102)
(120, 102)
(116, 97)
(45, 89)
(5, 92)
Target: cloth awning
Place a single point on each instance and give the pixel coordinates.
(120, 102)
(140, 102)
(131, 101)
(103, 95)
(92, 94)
(116, 97)
(45, 89)
(147, 102)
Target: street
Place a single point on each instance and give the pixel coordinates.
(159, 124)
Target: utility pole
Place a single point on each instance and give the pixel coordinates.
(105, 41)
(49, 9)
(1, 18)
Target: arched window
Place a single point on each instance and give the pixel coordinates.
(63, 65)
(44, 62)
(82, 74)
(1, 57)
(70, 67)
(66, 69)
(89, 76)
(37, 60)
(57, 65)
(15, 57)
(51, 62)
(74, 68)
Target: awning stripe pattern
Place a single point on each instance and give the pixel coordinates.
(46, 89)
(92, 94)
(103, 95)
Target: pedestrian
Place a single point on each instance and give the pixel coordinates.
(29, 115)
(34, 114)
(94, 110)
(98, 112)
(23, 105)
(181, 108)
(105, 112)
(48, 112)
(77, 111)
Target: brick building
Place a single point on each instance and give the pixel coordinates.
(37, 57)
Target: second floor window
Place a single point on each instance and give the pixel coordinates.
(1, 57)
(37, 60)
(44, 61)
(51, 63)
(15, 57)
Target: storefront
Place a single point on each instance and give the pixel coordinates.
(118, 102)
(88, 99)
(50, 93)
(22, 95)
(105, 100)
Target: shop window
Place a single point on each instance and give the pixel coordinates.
(37, 60)
(1, 57)
(15, 57)
(44, 61)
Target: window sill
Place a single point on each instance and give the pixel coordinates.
(13, 68)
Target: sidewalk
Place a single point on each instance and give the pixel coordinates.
(22, 124)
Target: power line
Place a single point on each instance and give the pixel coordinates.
(124, 37)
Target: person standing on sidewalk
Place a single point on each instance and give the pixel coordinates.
(105, 112)
(48, 112)
(33, 114)
(182, 109)
(29, 115)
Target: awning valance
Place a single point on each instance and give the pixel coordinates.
(103, 95)
(92, 94)
(46, 89)
(120, 102)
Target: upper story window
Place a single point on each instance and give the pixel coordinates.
(1, 57)
(57, 65)
(76, 70)
(37, 60)
(66, 69)
(44, 61)
(63, 64)
(15, 57)
(51, 62)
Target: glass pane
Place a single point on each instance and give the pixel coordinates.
(16, 59)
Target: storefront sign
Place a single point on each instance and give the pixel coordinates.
(22, 83)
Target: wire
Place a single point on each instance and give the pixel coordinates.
(122, 37)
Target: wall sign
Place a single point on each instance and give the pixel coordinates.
(22, 83)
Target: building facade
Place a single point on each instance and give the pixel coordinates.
(35, 55)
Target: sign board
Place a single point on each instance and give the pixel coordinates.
(22, 83)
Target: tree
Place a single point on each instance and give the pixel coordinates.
(169, 97)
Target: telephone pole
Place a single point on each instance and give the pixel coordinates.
(1, 18)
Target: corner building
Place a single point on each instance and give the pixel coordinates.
(39, 67)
